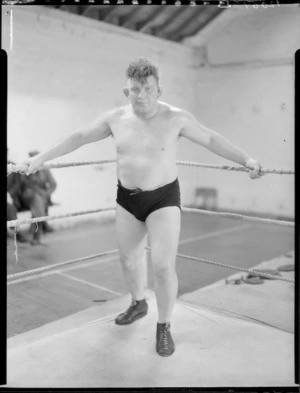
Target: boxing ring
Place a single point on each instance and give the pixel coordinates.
(16, 223)
(20, 351)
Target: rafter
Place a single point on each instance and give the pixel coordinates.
(189, 21)
(148, 24)
(197, 27)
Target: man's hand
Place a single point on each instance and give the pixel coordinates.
(255, 168)
(9, 199)
(33, 165)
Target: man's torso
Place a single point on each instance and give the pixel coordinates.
(146, 149)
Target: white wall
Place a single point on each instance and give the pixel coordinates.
(63, 70)
(246, 92)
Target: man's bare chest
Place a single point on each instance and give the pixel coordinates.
(137, 138)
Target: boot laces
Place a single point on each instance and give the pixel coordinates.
(165, 335)
(131, 308)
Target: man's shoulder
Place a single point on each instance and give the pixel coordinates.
(117, 111)
(172, 111)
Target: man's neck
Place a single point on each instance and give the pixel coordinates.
(148, 115)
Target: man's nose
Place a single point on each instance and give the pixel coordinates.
(142, 94)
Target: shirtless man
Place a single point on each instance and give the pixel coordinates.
(145, 133)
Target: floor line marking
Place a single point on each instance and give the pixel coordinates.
(215, 233)
(90, 284)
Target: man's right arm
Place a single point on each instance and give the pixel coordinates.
(96, 130)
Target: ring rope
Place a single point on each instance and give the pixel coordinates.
(84, 259)
(58, 265)
(258, 273)
(23, 167)
(236, 168)
(239, 216)
(14, 223)
(261, 274)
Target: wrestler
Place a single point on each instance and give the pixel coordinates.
(146, 134)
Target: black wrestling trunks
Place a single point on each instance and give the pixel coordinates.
(141, 203)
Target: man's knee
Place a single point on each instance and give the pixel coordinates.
(162, 257)
(131, 262)
(164, 269)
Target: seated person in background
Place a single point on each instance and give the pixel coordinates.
(37, 190)
(14, 201)
(12, 215)
(50, 185)
(15, 188)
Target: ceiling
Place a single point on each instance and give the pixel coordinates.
(172, 23)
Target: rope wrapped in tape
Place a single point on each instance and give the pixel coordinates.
(14, 223)
(22, 168)
(236, 168)
(256, 272)
(240, 217)
(57, 266)
(84, 259)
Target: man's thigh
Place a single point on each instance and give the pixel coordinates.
(11, 212)
(164, 230)
(37, 205)
(131, 234)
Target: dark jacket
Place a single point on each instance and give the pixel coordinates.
(41, 182)
(22, 187)
(15, 187)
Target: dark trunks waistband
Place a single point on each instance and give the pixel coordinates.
(138, 190)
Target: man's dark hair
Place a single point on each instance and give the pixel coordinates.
(141, 69)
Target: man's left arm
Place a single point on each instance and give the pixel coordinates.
(218, 144)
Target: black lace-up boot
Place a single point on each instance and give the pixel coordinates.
(164, 343)
(137, 309)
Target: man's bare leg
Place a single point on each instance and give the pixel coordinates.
(131, 238)
(164, 229)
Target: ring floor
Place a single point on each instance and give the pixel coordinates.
(88, 349)
(219, 341)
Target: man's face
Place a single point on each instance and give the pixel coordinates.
(143, 96)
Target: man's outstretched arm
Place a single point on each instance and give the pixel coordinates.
(218, 144)
(92, 132)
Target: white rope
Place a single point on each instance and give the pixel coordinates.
(22, 168)
(58, 265)
(14, 223)
(236, 168)
(258, 273)
(239, 217)
(88, 258)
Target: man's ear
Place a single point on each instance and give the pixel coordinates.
(126, 92)
(160, 91)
